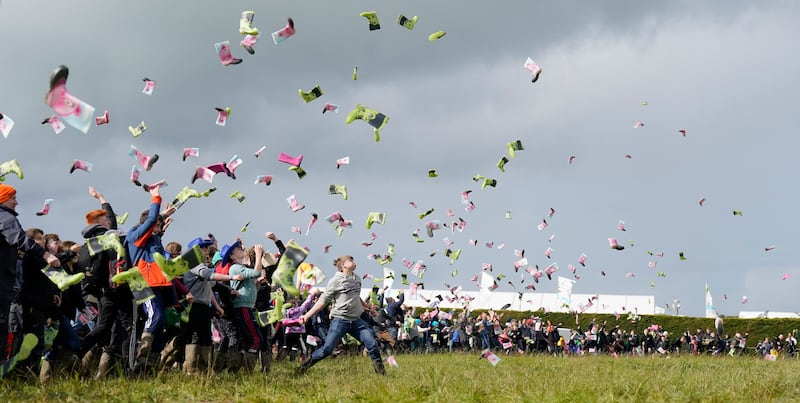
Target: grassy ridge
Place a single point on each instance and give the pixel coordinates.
(454, 377)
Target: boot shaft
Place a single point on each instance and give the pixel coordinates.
(379, 368)
(249, 361)
(234, 361)
(204, 359)
(266, 361)
(190, 358)
(104, 366)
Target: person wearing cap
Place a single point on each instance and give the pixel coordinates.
(13, 239)
(244, 302)
(344, 291)
(114, 301)
(143, 241)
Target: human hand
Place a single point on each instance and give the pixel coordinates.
(94, 193)
(259, 249)
(52, 260)
(167, 222)
(271, 236)
(154, 191)
(169, 211)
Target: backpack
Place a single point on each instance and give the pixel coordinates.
(91, 265)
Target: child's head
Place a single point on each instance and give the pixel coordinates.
(250, 257)
(342, 261)
(174, 249)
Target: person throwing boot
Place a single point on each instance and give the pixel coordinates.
(344, 291)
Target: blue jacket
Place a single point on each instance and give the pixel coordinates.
(142, 244)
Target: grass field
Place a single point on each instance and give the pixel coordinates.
(454, 378)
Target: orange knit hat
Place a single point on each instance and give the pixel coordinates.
(6, 191)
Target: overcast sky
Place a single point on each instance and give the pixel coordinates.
(723, 71)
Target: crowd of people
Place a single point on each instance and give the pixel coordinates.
(125, 300)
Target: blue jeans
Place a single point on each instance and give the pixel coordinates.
(486, 343)
(357, 328)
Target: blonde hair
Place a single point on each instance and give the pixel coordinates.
(340, 261)
(250, 256)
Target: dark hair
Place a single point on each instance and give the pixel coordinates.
(174, 249)
(31, 232)
(146, 213)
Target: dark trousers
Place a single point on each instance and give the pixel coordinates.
(5, 309)
(114, 323)
(199, 324)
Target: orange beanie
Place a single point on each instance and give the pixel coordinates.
(6, 191)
